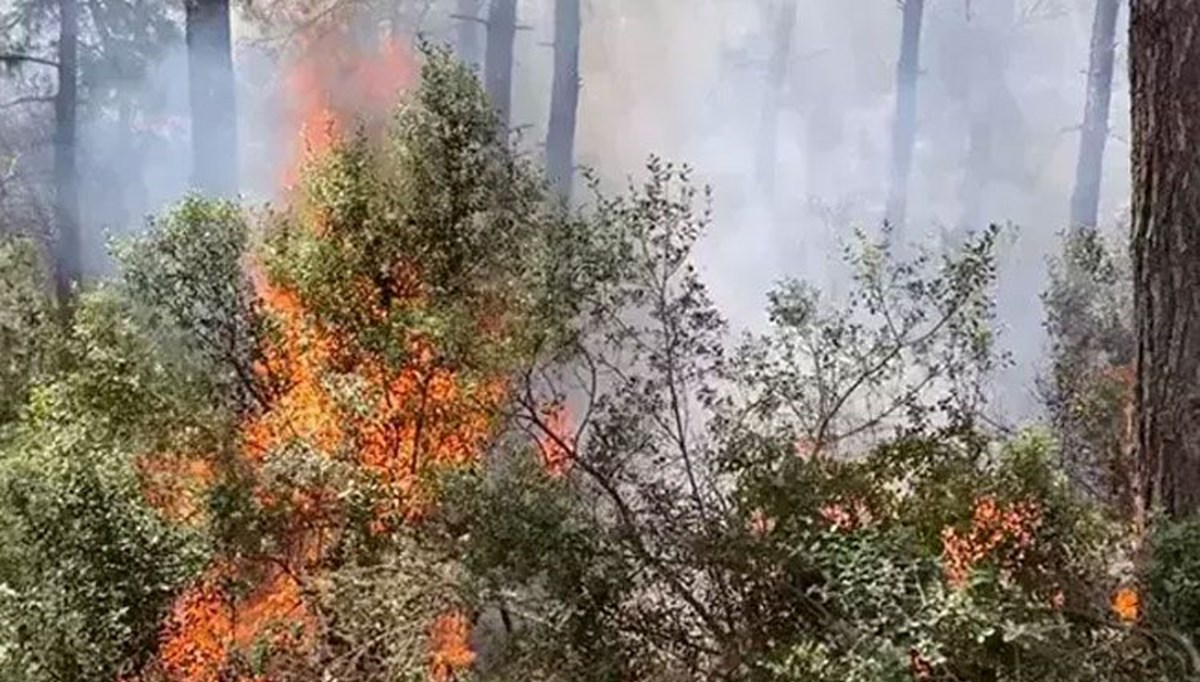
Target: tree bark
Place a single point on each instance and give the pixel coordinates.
(211, 91)
(784, 26)
(1165, 85)
(904, 125)
(501, 37)
(68, 259)
(470, 48)
(1085, 199)
(564, 98)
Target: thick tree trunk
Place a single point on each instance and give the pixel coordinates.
(564, 98)
(783, 31)
(69, 261)
(211, 91)
(904, 125)
(470, 47)
(1165, 80)
(1085, 199)
(501, 37)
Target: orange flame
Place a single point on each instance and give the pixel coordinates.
(450, 646)
(333, 85)
(407, 416)
(555, 445)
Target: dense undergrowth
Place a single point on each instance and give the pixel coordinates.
(427, 422)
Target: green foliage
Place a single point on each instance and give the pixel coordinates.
(27, 327)
(1174, 574)
(1089, 305)
(87, 568)
(432, 231)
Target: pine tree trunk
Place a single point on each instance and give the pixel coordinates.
(501, 37)
(904, 125)
(564, 98)
(469, 45)
(211, 91)
(1165, 80)
(1085, 199)
(68, 265)
(784, 25)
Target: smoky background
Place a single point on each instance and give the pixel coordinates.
(797, 148)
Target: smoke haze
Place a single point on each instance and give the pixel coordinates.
(1000, 100)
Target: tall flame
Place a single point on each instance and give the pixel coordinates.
(411, 416)
(334, 84)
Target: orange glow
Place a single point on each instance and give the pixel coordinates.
(450, 646)
(405, 418)
(174, 484)
(993, 528)
(334, 85)
(556, 444)
(1126, 604)
(206, 625)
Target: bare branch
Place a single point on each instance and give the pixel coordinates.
(464, 17)
(14, 58)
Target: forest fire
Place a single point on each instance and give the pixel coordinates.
(406, 417)
(333, 85)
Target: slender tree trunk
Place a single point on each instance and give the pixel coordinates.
(69, 261)
(564, 98)
(1165, 80)
(988, 105)
(784, 29)
(1085, 200)
(470, 47)
(211, 91)
(501, 37)
(904, 125)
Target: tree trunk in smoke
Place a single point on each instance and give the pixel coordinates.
(1085, 200)
(904, 125)
(469, 46)
(564, 98)
(501, 37)
(777, 71)
(68, 259)
(211, 91)
(988, 101)
(1165, 85)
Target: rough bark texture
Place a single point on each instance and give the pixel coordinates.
(1165, 80)
(470, 30)
(1085, 199)
(904, 125)
(501, 36)
(564, 98)
(211, 94)
(783, 32)
(68, 260)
